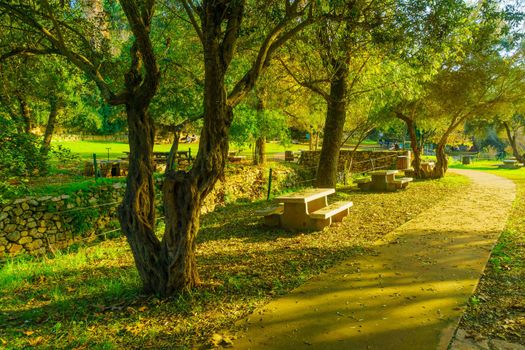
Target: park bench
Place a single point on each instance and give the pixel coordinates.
(334, 212)
(402, 182)
(236, 159)
(305, 209)
(364, 183)
(510, 164)
(272, 215)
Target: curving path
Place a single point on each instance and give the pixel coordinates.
(410, 294)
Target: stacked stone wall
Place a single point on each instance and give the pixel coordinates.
(362, 161)
(36, 225)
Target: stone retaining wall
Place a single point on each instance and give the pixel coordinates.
(35, 225)
(362, 161)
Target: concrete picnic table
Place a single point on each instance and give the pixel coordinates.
(381, 179)
(510, 164)
(298, 206)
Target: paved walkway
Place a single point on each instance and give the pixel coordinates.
(410, 294)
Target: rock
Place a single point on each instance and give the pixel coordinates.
(36, 244)
(3, 215)
(18, 211)
(33, 202)
(47, 216)
(25, 206)
(15, 248)
(31, 224)
(3, 242)
(64, 196)
(43, 223)
(25, 240)
(92, 200)
(55, 199)
(44, 198)
(8, 208)
(42, 229)
(13, 236)
(24, 233)
(58, 224)
(10, 228)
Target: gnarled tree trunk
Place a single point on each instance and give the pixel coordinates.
(260, 150)
(184, 192)
(441, 166)
(50, 127)
(137, 211)
(414, 145)
(25, 114)
(513, 144)
(333, 129)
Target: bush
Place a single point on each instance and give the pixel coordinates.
(63, 154)
(19, 153)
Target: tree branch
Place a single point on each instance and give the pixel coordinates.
(27, 51)
(273, 41)
(190, 11)
(309, 85)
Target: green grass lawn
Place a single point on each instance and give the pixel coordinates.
(116, 149)
(497, 310)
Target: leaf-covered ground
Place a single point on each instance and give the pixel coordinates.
(497, 310)
(90, 297)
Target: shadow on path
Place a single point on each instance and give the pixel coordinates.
(410, 294)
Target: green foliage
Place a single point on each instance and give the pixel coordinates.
(250, 124)
(63, 154)
(19, 153)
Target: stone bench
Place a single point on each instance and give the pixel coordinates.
(334, 212)
(402, 182)
(364, 183)
(272, 215)
(236, 159)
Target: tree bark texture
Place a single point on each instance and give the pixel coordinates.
(260, 142)
(333, 129)
(414, 144)
(260, 151)
(137, 211)
(25, 114)
(512, 141)
(50, 127)
(441, 157)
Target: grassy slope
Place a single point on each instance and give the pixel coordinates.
(91, 297)
(497, 310)
(86, 148)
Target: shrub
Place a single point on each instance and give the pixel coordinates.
(19, 153)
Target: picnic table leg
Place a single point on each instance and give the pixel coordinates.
(295, 216)
(340, 216)
(379, 183)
